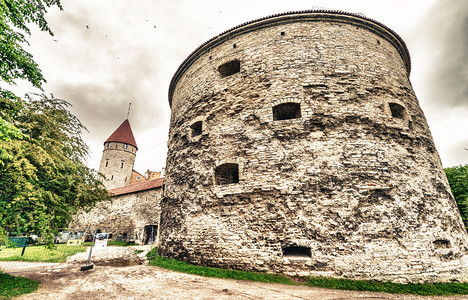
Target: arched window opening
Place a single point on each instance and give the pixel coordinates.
(229, 68)
(196, 128)
(287, 111)
(227, 174)
(397, 110)
(296, 252)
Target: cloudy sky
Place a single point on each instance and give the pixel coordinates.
(107, 53)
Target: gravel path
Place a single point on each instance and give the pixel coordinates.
(147, 282)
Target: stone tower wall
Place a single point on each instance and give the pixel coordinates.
(358, 186)
(117, 164)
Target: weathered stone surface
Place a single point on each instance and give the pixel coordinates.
(356, 180)
(123, 215)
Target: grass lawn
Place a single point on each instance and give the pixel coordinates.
(41, 253)
(330, 283)
(11, 286)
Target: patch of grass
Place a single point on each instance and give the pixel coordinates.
(184, 267)
(390, 287)
(11, 286)
(137, 251)
(331, 283)
(40, 253)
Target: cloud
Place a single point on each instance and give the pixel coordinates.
(447, 72)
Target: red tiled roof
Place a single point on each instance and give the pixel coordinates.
(123, 134)
(138, 187)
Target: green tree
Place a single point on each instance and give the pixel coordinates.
(15, 61)
(458, 180)
(44, 180)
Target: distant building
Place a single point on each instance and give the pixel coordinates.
(133, 211)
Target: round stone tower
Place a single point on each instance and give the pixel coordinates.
(297, 145)
(118, 157)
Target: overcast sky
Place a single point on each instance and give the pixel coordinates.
(108, 53)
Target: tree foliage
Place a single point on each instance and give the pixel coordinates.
(458, 180)
(15, 19)
(43, 180)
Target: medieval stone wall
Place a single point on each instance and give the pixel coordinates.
(123, 214)
(352, 186)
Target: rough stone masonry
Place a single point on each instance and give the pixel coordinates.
(297, 145)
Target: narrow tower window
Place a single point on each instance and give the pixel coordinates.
(107, 162)
(287, 111)
(397, 110)
(226, 174)
(125, 146)
(121, 164)
(297, 252)
(229, 68)
(196, 128)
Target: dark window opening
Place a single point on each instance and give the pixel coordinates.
(196, 128)
(226, 174)
(287, 111)
(125, 179)
(282, 33)
(441, 244)
(121, 165)
(125, 146)
(112, 177)
(234, 46)
(229, 68)
(107, 163)
(397, 110)
(297, 252)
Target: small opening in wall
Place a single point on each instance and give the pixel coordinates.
(441, 244)
(234, 46)
(112, 177)
(397, 110)
(125, 146)
(229, 68)
(287, 111)
(107, 163)
(196, 128)
(282, 33)
(296, 252)
(121, 165)
(226, 174)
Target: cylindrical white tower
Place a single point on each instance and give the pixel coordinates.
(118, 157)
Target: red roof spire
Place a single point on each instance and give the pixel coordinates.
(123, 134)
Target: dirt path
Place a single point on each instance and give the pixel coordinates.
(146, 282)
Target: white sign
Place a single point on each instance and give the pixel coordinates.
(101, 240)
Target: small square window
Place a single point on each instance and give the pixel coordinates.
(229, 68)
(286, 111)
(227, 174)
(196, 128)
(397, 111)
